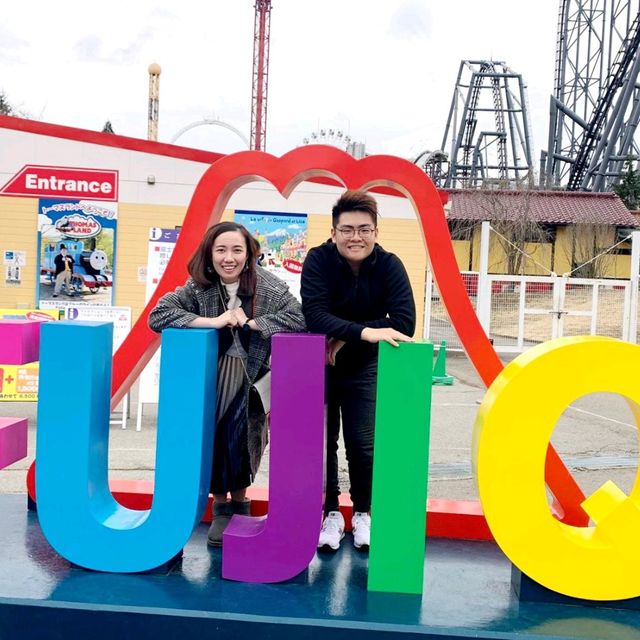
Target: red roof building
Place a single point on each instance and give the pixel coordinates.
(544, 207)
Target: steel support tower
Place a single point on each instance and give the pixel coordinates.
(261, 32)
(489, 127)
(154, 101)
(595, 108)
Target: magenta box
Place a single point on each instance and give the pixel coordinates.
(19, 341)
(13, 440)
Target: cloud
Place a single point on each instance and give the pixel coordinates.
(88, 49)
(411, 20)
(43, 221)
(162, 13)
(47, 228)
(93, 49)
(10, 45)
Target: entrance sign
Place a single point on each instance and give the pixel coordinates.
(63, 182)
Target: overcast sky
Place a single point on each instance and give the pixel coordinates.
(381, 70)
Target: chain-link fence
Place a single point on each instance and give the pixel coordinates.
(527, 310)
(437, 326)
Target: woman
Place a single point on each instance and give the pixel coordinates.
(247, 304)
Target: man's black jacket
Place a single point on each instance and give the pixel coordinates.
(59, 261)
(340, 304)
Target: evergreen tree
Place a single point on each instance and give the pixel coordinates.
(628, 189)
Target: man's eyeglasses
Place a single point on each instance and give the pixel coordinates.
(349, 232)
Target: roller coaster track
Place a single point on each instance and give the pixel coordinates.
(619, 74)
(489, 122)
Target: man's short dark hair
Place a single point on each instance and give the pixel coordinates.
(62, 246)
(355, 201)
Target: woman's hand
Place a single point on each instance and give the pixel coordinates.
(226, 319)
(243, 320)
(240, 316)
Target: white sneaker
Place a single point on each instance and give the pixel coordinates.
(361, 525)
(332, 531)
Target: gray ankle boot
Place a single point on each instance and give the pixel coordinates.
(241, 508)
(222, 513)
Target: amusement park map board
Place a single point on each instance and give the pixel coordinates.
(283, 242)
(88, 230)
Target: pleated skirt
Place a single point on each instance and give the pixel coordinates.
(231, 466)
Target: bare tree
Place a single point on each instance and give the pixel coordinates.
(587, 250)
(519, 234)
(462, 229)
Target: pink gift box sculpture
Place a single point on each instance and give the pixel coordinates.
(19, 341)
(13, 440)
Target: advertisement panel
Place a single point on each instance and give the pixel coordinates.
(30, 314)
(283, 242)
(77, 245)
(120, 317)
(19, 382)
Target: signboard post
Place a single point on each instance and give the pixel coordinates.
(161, 245)
(121, 319)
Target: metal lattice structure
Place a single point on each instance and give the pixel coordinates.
(435, 164)
(261, 38)
(595, 108)
(489, 127)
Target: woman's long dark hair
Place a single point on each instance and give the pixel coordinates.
(201, 266)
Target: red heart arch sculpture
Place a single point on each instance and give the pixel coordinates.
(232, 172)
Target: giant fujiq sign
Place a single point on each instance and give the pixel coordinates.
(63, 182)
(83, 522)
(514, 461)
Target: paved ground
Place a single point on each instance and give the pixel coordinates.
(596, 437)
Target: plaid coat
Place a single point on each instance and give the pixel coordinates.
(275, 310)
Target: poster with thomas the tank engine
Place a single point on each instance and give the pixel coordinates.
(77, 241)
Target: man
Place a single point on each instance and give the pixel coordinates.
(64, 268)
(357, 294)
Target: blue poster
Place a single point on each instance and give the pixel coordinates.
(77, 242)
(283, 242)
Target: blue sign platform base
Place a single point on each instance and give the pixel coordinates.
(467, 594)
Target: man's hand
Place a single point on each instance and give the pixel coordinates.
(333, 346)
(386, 334)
